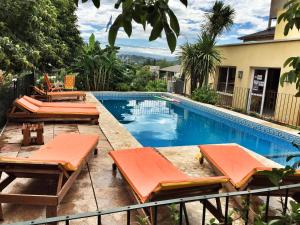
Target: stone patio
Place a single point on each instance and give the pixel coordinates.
(110, 191)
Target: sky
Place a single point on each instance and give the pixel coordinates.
(250, 16)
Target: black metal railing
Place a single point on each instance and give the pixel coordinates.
(11, 90)
(155, 206)
(276, 107)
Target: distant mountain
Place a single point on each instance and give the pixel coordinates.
(144, 60)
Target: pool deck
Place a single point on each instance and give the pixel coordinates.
(110, 190)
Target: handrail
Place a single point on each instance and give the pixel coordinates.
(154, 204)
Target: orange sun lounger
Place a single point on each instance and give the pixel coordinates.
(25, 111)
(152, 177)
(59, 162)
(241, 168)
(60, 95)
(58, 104)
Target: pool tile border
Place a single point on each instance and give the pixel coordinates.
(236, 119)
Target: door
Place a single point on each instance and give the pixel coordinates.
(257, 91)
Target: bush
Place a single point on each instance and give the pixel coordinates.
(156, 86)
(205, 95)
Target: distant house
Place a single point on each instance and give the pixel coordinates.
(170, 73)
(249, 74)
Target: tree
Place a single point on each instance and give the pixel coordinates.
(220, 18)
(199, 60)
(98, 68)
(37, 34)
(155, 13)
(292, 19)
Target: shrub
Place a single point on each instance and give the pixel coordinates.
(205, 95)
(156, 85)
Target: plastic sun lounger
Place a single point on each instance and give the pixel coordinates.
(25, 111)
(59, 161)
(61, 95)
(151, 177)
(242, 169)
(59, 104)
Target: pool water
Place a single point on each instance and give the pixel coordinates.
(159, 123)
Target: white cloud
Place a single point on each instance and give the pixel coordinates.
(250, 17)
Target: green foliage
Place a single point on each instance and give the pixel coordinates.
(99, 69)
(156, 86)
(174, 214)
(205, 95)
(37, 34)
(199, 60)
(220, 18)
(156, 13)
(141, 79)
(291, 18)
(142, 220)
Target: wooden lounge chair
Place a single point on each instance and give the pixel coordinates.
(25, 111)
(50, 86)
(58, 104)
(151, 177)
(59, 161)
(242, 169)
(61, 95)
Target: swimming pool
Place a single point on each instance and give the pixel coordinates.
(159, 123)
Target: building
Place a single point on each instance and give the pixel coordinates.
(170, 73)
(249, 74)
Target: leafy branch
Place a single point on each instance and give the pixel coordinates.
(155, 13)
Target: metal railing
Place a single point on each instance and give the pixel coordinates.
(13, 89)
(277, 107)
(155, 206)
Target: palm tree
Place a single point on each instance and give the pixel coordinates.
(199, 60)
(219, 19)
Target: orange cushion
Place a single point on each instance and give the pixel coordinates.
(58, 104)
(67, 111)
(69, 150)
(66, 93)
(232, 161)
(27, 105)
(147, 171)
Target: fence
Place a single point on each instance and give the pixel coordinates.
(9, 91)
(155, 206)
(276, 107)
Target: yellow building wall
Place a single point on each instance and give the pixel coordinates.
(246, 57)
(279, 31)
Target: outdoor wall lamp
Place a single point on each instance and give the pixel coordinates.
(240, 74)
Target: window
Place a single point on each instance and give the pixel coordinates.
(226, 79)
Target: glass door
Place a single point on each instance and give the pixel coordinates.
(257, 91)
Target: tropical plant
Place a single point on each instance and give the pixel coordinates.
(291, 18)
(205, 95)
(156, 86)
(199, 60)
(219, 18)
(98, 68)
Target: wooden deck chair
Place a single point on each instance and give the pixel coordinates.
(69, 82)
(60, 161)
(25, 111)
(242, 169)
(50, 86)
(59, 104)
(151, 177)
(61, 95)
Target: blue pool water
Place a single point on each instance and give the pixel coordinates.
(159, 123)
